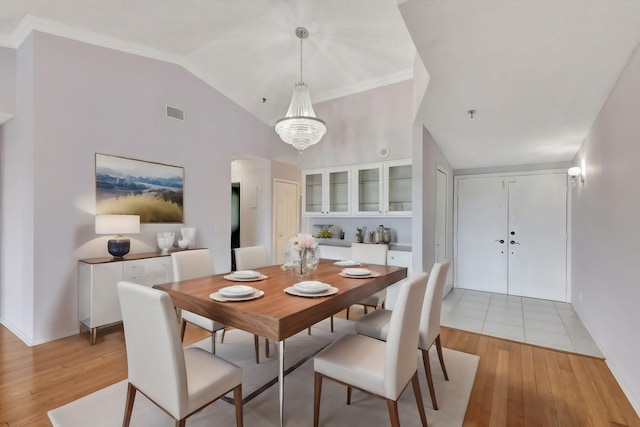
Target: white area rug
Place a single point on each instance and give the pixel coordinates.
(105, 407)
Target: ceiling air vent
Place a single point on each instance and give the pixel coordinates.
(174, 112)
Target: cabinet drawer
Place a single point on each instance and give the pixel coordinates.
(138, 267)
(164, 264)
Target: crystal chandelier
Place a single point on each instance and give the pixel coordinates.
(300, 127)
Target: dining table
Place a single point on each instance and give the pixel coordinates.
(277, 314)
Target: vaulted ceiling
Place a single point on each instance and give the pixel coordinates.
(537, 72)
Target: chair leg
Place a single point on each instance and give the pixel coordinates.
(348, 312)
(365, 309)
(128, 409)
(181, 423)
(266, 347)
(392, 405)
(331, 324)
(183, 328)
(309, 330)
(237, 399)
(349, 391)
(427, 370)
(256, 346)
(213, 342)
(418, 396)
(439, 349)
(317, 392)
(222, 337)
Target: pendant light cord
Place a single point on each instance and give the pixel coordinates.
(301, 60)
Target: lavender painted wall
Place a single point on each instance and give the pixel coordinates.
(87, 99)
(605, 244)
(7, 83)
(17, 204)
(432, 158)
(358, 125)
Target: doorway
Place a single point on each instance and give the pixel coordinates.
(511, 234)
(286, 216)
(235, 221)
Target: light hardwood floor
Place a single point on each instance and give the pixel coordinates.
(516, 384)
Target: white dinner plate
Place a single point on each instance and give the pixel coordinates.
(236, 291)
(217, 297)
(330, 291)
(311, 287)
(245, 274)
(346, 263)
(357, 271)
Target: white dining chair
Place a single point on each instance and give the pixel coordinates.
(194, 263)
(376, 324)
(370, 254)
(380, 368)
(179, 381)
(247, 258)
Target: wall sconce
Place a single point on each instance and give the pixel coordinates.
(118, 225)
(575, 173)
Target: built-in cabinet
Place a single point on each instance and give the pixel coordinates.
(98, 303)
(375, 189)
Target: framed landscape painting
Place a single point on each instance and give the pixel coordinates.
(136, 187)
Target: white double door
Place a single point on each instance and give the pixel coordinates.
(512, 235)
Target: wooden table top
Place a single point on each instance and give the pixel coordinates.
(278, 315)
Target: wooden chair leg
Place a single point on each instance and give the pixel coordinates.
(309, 330)
(183, 328)
(256, 346)
(266, 347)
(349, 392)
(237, 399)
(418, 396)
(213, 342)
(331, 323)
(439, 349)
(392, 405)
(128, 409)
(181, 423)
(365, 309)
(317, 392)
(222, 337)
(348, 312)
(427, 370)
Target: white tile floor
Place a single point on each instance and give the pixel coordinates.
(541, 322)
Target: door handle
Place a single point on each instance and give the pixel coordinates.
(513, 242)
(501, 240)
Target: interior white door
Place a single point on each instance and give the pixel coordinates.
(538, 236)
(286, 216)
(482, 233)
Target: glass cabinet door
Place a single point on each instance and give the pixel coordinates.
(313, 193)
(339, 193)
(398, 189)
(368, 190)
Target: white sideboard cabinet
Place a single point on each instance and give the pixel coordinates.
(98, 303)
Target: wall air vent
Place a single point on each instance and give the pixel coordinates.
(174, 112)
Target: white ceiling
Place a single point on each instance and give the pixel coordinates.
(536, 71)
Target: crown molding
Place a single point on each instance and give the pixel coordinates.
(31, 23)
(365, 85)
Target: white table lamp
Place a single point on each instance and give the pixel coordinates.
(118, 225)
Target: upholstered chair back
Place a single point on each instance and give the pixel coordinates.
(430, 319)
(191, 264)
(402, 341)
(369, 253)
(154, 350)
(251, 257)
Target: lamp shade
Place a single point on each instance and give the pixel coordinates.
(117, 224)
